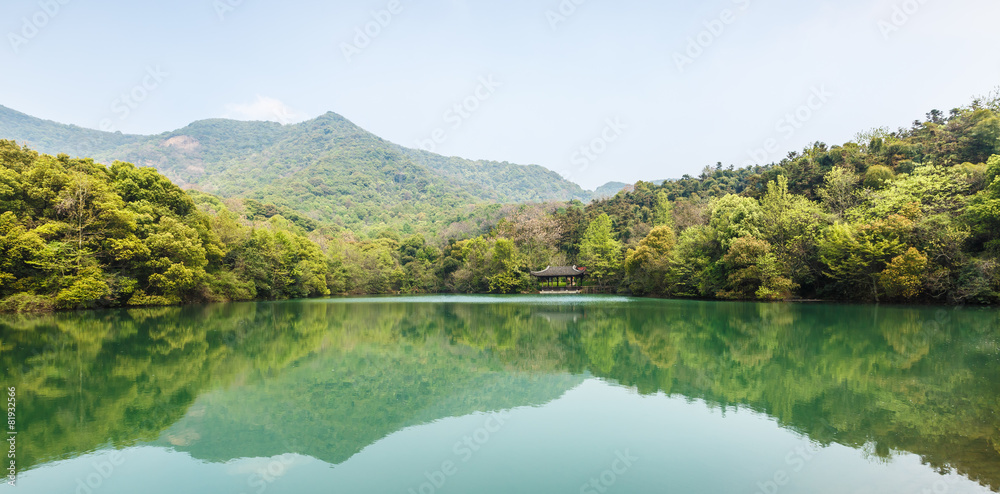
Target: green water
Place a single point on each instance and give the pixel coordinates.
(506, 395)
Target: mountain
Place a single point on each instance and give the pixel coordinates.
(610, 189)
(327, 168)
(54, 138)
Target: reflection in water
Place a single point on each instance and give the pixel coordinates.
(328, 379)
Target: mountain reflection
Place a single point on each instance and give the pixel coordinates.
(327, 379)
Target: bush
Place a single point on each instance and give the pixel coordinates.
(26, 302)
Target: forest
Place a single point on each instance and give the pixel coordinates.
(909, 215)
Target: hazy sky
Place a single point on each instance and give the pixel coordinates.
(648, 89)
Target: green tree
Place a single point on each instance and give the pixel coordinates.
(903, 278)
(601, 253)
(648, 264)
(694, 271)
(856, 255)
(736, 217)
(663, 213)
(878, 177)
(792, 225)
(506, 266)
(839, 192)
(18, 250)
(754, 272)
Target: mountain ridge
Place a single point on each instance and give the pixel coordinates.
(328, 168)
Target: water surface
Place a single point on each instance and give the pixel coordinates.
(489, 395)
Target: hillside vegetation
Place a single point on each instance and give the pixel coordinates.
(327, 169)
(910, 215)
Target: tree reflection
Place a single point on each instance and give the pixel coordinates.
(333, 377)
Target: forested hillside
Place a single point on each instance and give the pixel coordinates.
(55, 138)
(77, 234)
(906, 215)
(902, 215)
(910, 215)
(327, 169)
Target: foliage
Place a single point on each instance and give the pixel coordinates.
(600, 253)
(327, 170)
(84, 235)
(648, 264)
(904, 276)
(907, 215)
(754, 272)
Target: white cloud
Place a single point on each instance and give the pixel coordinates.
(264, 108)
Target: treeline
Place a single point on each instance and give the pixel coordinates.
(77, 234)
(910, 215)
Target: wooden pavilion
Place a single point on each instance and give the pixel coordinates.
(551, 278)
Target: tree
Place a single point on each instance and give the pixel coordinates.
(693, 271)
(791, 224)
(18, 249)
(85, 290)
(904, 276)
(983, 213)
(506, 272)
(535, 232)
(754, 272)
(839, 190)
(647, 265)
(856, 255)
(878, 177)
(600, 252)
(663, 213)
(735, 217)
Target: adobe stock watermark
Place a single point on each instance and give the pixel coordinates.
(269, 474)
(787, 126)
(225, 7)
(588, 154)
(371, 30)
(102, 472)
(126, 103)
(32, 25)
(901, 14)
(713, 30)
(129, 100)
(12, 436)
(562, 12)
(460, 112)
(284, 115)
(264, 476)
(621, 465)
(465, 450)
(940, 486)
(795, 461)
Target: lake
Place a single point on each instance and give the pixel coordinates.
(487, 395)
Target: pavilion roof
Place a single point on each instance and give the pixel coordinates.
(559, 271)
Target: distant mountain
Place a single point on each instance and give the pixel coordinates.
(610, 189)
(53, 138)
(327, 168)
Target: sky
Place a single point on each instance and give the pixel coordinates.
(595, 90)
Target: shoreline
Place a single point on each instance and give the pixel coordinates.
(554, 297)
